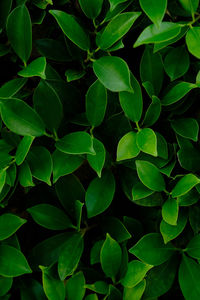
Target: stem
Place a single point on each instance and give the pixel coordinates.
(137, 125)
(55, 135)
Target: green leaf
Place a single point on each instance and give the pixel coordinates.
(153, 112)
(152, 250)
(23, 149)
(116, 29)
(9, 224)
(186, 127)
(154, 34)
(99, 194)
(12, 262)
(97, 161)
(176, 62)
(41, 165)
(100, 287)
(19, 31)
(151, 69)
(110, 257)
(135, 273)
(194, 218)
(116, 229)
(5, 285)
(146, 141)
(36, 68)
(70, 255)
(2, 179)
(91, 297)
(193, 247)
(188, 276)
(170, 232)
(193, 41)
(72, 29)
(53, 287)
(115, 3)
(150, 176)
(25, 176)
(170, 211)
(50, 217)
(177, 92)
(10, 88)
(127, 147)
(96, 102)
(90, 8)
(75, 287)
(184, 185)
(140, 191)
(155, 10)
(113, 73)
(45, 96)
(190, 5)
(72, 74)
(20, 118)
(78, 142)
(136, 292)
(5, 7)
(132, 103)
(64, 164)
(95, 252)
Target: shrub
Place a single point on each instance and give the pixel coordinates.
(99, 149)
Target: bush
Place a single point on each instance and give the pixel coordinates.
(99, 149)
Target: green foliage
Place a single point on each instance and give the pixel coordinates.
(99, 149)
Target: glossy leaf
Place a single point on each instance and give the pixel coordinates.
(146, 141)
(186, 127)
(136, 292)
(155, 10)
(75, 287)
(97, 161)
(9, 224)
(36, 68)
(90, 8)
(193, 41)
(184, 185)
(23, 149)
(10, 88)
(127, 147)
(170, 211)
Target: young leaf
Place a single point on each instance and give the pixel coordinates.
(135, 273)
(186, 127)
(132, 103)
(36, 68)
(90, 8)
(152, 250)
(9, 224)
(193, 41)
(155, 10)
(146, 141)
(184, 185)
(110, 257)
(113, 73)
(100, 194)
(72, 29)
(25, 176)
(20, 118)
(23, 149)
(70, 255)
(150, 176)
(127, 147)
(97, 161)
(154, 34)
(50, 217)
(41, 165)
(19, 31)
(116, 29)
(78, 142)
(45, 96)
(170, 211)
(96, 102)
(188, 276)
(12, 262)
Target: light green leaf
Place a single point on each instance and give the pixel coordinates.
(70, 255)
(153, 112)
(135, 273)
(110, 257)
(116, 29)
(75, 287)
(170, 211)
(41, 165)
(25, 176)
(79, 142)
(96, 102)
(20, 118)
(140, 191)
(152, 250)
(36, 68)
(9, 224)
(113, 73)
(147, 141)
(132, 103)
(72, 29)
(155, 10)
(127, 147)
(50, 217)
(2, 179)
(91, 8)
(97, 161)
(99, 194)
(19, 31)
(186, 127)
(193, 41)
(12, 262)
(185, 184)
(136, 292)
(154, 34)
(45, 96)
(23, 149)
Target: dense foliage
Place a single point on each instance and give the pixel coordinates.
(99, 149)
